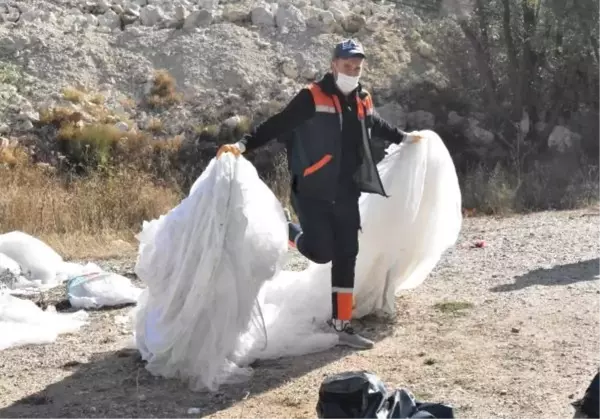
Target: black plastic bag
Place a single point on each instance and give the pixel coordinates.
(361, 394)
(589, 405)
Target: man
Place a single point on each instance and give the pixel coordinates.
(327, 128)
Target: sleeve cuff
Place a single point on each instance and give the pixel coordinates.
(242, 146)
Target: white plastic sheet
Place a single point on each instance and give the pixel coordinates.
(39, 262)
(24, 323)
(95, 288)
(206, 260)
(204, 264)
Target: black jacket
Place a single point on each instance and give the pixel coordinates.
(311, 134)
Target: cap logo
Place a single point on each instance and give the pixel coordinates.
(349, 44)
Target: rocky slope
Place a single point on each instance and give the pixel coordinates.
(226, 56)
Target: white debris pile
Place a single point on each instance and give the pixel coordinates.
(205, 261)
(39, 265)
(30, 266)
(24, 323)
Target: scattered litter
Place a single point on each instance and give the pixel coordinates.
(194, 411)
(24, 323)
(480, 244)
(96, 288)
(39, 262)
(361, 394)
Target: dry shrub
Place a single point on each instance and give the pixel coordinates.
(73, 95)
(13, 155)
(60, 115)
(98, 99)
(45, 203)
(279, 180)
(164, 90)
(155, 125)
(542, 186)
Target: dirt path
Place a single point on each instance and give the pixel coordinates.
(510, 330)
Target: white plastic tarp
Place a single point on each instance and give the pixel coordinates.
(210, 258)
(24, 323)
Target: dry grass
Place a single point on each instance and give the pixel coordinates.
(98, 99)
(501, 191)
(73, 95)
(164, 90)
(155, 125)
(82, 216)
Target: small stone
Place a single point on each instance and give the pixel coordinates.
(515, 330)
(290, 69)
(122, 126)
(503, 392)
(25, 126)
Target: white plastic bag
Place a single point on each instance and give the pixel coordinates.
(97, 288)
(8, 265)
(204, 263)
(24, 323)
(39, 262)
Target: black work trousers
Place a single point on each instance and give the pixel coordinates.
(330, 234)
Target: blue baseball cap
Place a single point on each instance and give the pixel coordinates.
(347, 49)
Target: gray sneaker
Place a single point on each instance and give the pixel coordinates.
(348, 337)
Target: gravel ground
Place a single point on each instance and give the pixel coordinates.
(508, 330)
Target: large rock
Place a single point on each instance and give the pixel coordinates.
(198, 19)
(478, 136)
(263, 16)
(354, 23)
(563, 140)
(109, 20)
(151, 15)
(290, 19)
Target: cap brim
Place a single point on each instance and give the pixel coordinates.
(351, 54)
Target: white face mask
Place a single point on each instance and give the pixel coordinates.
(346, 83)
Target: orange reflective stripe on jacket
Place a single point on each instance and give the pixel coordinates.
(318, 165)
(331, 104)
(364, 106)
(323, 102)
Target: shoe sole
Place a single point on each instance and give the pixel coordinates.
(360, 347)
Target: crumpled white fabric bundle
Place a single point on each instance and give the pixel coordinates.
(204, 263)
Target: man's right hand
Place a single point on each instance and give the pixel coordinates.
(229, 148)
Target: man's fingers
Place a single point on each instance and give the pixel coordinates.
(228, 148)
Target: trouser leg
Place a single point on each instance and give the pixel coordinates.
(346, 224)
(313, 237)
